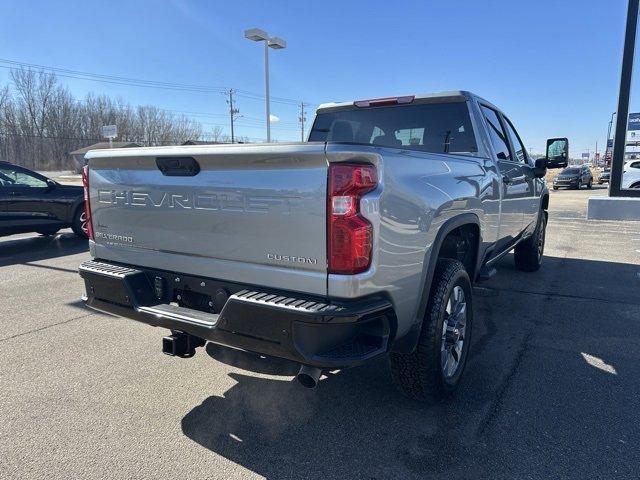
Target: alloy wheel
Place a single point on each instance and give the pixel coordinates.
(83, 223)
(453, 332)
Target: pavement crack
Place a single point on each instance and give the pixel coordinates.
(495, 406)
(35, 330)
(496, 403)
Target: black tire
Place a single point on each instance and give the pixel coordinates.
(590, 184)
(419, 375)
(78, 226)
(579, 186)
(528, 254)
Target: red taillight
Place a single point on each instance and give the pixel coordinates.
(87, 201)
(349, 234)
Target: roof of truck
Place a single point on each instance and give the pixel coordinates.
(453, 95)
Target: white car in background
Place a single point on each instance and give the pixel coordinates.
(631, 175)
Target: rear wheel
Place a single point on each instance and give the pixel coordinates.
(79, 225)
(435, 367)
(528, 254)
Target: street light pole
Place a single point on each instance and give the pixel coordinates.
(276, 43)
(266, 89)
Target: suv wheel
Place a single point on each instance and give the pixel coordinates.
(435, 367)
(528, 254)
(79, 225)
(590, 184)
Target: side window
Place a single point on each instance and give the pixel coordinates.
(496, 133)
(520, 154)
(17, 178)
(635, 165)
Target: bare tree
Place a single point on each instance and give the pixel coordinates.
(41, 122)
(217, 135)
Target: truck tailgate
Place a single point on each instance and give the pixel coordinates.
(252, 214)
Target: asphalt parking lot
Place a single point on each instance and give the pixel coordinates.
(552, 389)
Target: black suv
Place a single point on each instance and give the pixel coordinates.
(30, 202)
(574, 177)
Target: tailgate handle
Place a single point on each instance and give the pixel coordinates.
(178, 166)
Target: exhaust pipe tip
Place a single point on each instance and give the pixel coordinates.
(309, 376)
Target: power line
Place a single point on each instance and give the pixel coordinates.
(249, 122)
(135, 82)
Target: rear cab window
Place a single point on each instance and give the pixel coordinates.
(429, 127)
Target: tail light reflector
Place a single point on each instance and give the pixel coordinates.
(87, 201)
(350, 235)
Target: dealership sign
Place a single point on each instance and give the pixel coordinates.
(633, 128)
(109, 131)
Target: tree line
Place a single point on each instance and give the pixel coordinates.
(41, 122)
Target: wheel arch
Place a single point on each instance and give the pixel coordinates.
(408, 342)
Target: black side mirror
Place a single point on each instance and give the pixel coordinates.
(540, 168)
(51, 184)
(557, 153)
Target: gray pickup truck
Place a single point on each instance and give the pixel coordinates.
(364, 241)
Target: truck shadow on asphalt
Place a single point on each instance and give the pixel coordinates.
(532, 381)
(36, 248)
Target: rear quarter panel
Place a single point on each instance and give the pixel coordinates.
(418, 193)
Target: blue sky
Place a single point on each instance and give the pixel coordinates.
(552, 66)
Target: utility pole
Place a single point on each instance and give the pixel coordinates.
(302, 119)
(607, 150)
(232, 112)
